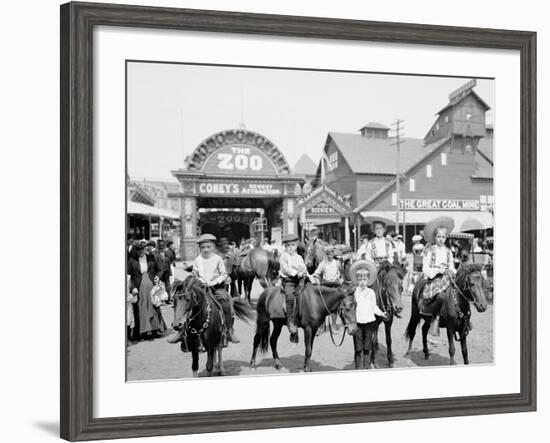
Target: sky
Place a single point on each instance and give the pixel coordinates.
(172, 108)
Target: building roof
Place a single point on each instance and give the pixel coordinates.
(427, 150)
(376, 155)
(485, 147)
(461, 97)
(305, 166)
(484, 168)
(375, 125)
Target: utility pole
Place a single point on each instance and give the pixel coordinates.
(398, 134)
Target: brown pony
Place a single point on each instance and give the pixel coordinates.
(315, 303)
(199, 315)
(453, 307)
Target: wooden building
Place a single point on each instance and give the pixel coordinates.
(449, 172)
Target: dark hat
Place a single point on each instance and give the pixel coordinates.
(206, 238)
(290, 237)
(378, 222)
(139, 244)
(151, 243)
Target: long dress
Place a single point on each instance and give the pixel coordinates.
(150, 317)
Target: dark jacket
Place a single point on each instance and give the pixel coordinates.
(134, 271)
(162, 266)
(171, 255)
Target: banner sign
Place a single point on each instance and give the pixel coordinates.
(239, 160)
(322, 209)
(439, 204)
(240, 189)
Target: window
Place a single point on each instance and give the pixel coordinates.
(446, 119)
(468, 147)
(333, 161)
(468, 116)
(444, 159)
(429, 171)
(394, 199)
(411, 185)
(437, 126)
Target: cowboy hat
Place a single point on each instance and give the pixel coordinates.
(430, 230)
(363, 264)
(290, 237)
(206, 238)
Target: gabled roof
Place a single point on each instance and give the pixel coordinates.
(376, 155)
(428, 150)
(485, 148)
(484, 168)
(325, 194)
(458, 99)
(305, 166)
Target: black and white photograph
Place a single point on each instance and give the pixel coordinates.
(286, 221)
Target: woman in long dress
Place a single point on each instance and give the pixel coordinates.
(142, 269)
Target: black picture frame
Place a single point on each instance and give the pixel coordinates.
(77, 23)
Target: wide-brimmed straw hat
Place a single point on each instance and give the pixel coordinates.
(430, 230)
(206, 238)
(363, 264)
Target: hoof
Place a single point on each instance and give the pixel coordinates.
(195, 373)
(391, 365)
(372, 366)
(426, 356)
(278, 364)
(221, 371)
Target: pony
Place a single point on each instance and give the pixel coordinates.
(257, 263)
(453, 307)
(314, 304)
(197, 314)
(388, 288)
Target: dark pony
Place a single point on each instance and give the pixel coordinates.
(199, 315)
(314, 254)
(314, 304)
(257, 263)
(388, 288)
(453, 306)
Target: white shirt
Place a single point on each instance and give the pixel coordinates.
(329, 271)
(211, 269)
(400, 249)
(366, 305)
(376, 248)
(361, 251)
(443, 255)
(291, 265)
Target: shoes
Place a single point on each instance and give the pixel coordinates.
(232, 337)
(176, 338)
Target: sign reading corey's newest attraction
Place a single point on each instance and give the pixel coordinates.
(439, 204)
(240, 189)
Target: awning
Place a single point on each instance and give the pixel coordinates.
(324, 221)
(135, 208)
(464, 220)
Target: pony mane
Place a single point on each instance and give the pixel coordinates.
(464, 271)
(385, 267)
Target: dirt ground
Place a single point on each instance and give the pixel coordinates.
(156, 359)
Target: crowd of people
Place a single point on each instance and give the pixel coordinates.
(151, 265)
(149, 275)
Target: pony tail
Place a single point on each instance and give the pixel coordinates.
(262, 322)
(410, 331)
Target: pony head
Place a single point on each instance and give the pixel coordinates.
(390, 277)
(185, 294)
(347, 308)
(470, 281)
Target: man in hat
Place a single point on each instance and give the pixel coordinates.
(209, 268)
(363, 274)
(380, 248)
(292, 272)
(418, 253)
(399, 246)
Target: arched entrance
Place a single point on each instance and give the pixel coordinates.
(230, 179)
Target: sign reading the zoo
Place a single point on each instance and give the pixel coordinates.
(436, 204)
(240, 189)
(239, 160)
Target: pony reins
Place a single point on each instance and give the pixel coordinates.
(330, 325)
